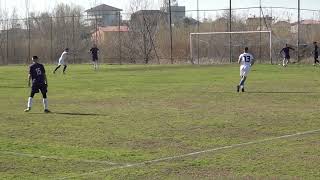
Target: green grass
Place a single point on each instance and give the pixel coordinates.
(131, 114)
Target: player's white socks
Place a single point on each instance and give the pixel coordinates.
(95, 65)
(45, 103)
(29, 102)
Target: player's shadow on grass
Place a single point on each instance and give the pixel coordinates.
(280, 92)
(73, 114)
(78, 114)
(13, 87)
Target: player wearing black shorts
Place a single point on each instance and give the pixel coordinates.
(37, 74)
(315, 53)
(286, 55)
(94, 53)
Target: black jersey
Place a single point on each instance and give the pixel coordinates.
(37, 73)
(94, 51)
(286, 51)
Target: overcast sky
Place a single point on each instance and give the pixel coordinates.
(47, 5)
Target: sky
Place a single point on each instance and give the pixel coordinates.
(47, 5)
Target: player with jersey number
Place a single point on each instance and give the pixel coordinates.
(246, 60)
(37, 74)
(62, 60)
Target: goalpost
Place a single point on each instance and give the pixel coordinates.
(225, 47)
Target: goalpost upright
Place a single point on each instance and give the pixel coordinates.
(235, 32)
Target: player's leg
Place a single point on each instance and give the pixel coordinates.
(242, 81)
(29, 105)
(316, 60)
(64, 68)
(45, 99)
(241, 76)
(56, 68)
(284, 62)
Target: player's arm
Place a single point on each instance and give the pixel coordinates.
(291, 48)
(281, 51)
(29, 80)
(252, 62)
(45, 78)
(239, 60)
(45, 75)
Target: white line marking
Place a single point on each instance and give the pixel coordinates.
(192, 154)
(57, 158)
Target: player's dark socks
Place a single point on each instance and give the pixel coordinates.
(238, 88)
(64, 69)
(56, 69)
(242, 89)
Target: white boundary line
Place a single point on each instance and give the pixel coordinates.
(57, 158)
(193, 153)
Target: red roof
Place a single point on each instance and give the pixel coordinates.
(114, 29)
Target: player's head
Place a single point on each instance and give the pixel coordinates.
(94, 45)
(67, 49)
(315, 43)
(246, 49)
(35, 59)
(287, 45)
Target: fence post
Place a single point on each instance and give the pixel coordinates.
(51, 39)
(298, 40)
(7, 36)
(73, 39)
(170, 24)
(230, 30)
(119, 38)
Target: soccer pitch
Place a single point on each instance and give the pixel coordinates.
(162, 122)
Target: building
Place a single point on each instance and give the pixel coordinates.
(253, 23)
(104, 15)
(148, 17)
(306, 26)
(104, 34)
(178, 13)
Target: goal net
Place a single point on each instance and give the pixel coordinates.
(225, 47)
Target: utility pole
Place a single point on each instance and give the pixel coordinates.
(198, 30)
(260, 25)
(170, 22)
(230, 30)
(298, 40)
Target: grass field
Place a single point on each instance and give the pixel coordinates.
(118, 122)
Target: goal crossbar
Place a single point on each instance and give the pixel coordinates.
(233, 32)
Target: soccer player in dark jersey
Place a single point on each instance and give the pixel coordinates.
(94, 53)
(37, 74)
(315, 53)
(286, 55)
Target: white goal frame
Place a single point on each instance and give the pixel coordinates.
(234, 32)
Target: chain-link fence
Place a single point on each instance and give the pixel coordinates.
(146, 36)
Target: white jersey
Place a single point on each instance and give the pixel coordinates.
(246, 59)
(63, 57)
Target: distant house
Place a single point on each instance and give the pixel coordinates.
(104, 34)
(282, 24)
(282, 28)
(148, 17)
(178, 13)
(306, 26)
(253, 23)
(104, 15)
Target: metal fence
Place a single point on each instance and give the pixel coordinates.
(148, 37)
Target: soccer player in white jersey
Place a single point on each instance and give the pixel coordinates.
(246, 60)
(62, 59)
